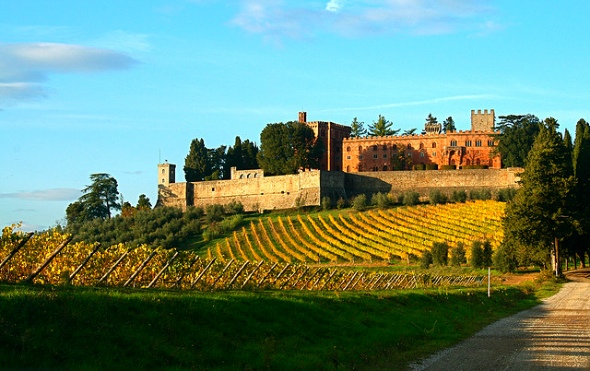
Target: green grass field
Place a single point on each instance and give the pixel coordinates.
(47, 327)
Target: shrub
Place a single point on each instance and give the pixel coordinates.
(504, 260)
(448, 167)
(476, 255)
(431, 166)
(506, 194)
(459, 196)
(486, 254)
(419, 167)
(411, 198)
(234, 207)
(483, 194)
(458, 255)
(214, 213)
(381, 200)
(437, 197)
(440, 253)
(360, 202)
(426, 260)
(326, 203)
(341, 203)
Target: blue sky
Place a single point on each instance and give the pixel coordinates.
(117, 86)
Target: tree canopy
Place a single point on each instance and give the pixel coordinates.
(285, 148)
(448, 125)
(97, 200)
(540, 212)
(357, 129)
(197, 163)
(382, 127)
(204, 163)
(517, 134)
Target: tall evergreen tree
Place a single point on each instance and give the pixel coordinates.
(357, 129)
(382, 127)
(448, 125)
(517, 134)
(242, 155)
(581, 158)
(538, 214)
(197, 164)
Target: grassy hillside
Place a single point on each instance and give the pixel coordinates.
(351, 236)
(44, 327)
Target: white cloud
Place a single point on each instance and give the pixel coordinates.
(278, 19)
(24, 67)
(55, 194)
(334, 6)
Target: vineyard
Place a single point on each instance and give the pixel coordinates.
(356, 237)
(280, 252)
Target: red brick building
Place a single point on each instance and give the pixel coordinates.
(459, 148)
(331, 135)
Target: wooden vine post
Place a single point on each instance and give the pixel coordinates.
(74, 273)
(48, 260)
(17, 248)
(163, 269)
(143, 264)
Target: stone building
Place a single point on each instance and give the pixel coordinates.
(352, 166)
(459, 148)
(331, 135)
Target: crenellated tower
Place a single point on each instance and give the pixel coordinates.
(485, 121)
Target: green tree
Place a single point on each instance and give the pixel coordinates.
(287, 148)
(476, 260)
(143, 202)
(382, 127)
(357, 129)
(517, 134)
(97, 200)
(197, 164)
(458, 255)
(400, 160)
(538, 215)
(408, 132)
(242, 155)
(431, 119)
(581, 159)
(440, 253)
(448, 125)
(217, 164)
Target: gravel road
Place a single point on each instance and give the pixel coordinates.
(553, 335)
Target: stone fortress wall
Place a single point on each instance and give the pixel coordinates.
(309, 187)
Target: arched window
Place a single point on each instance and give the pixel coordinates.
(421, 145)
(385, 147)
(433, 144)
(453, 144)
(409, 146)
(348, 149)
(394, 147)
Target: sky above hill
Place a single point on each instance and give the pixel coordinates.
(115, 87)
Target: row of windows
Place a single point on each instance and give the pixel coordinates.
(468, 143)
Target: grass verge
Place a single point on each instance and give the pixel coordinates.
(86, 328)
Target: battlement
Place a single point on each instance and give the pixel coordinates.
(485, 121)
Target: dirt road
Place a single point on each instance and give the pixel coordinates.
(553, 335)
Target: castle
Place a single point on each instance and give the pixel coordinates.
(350, 166)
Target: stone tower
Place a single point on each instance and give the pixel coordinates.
(166, 174)
(485, 121)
